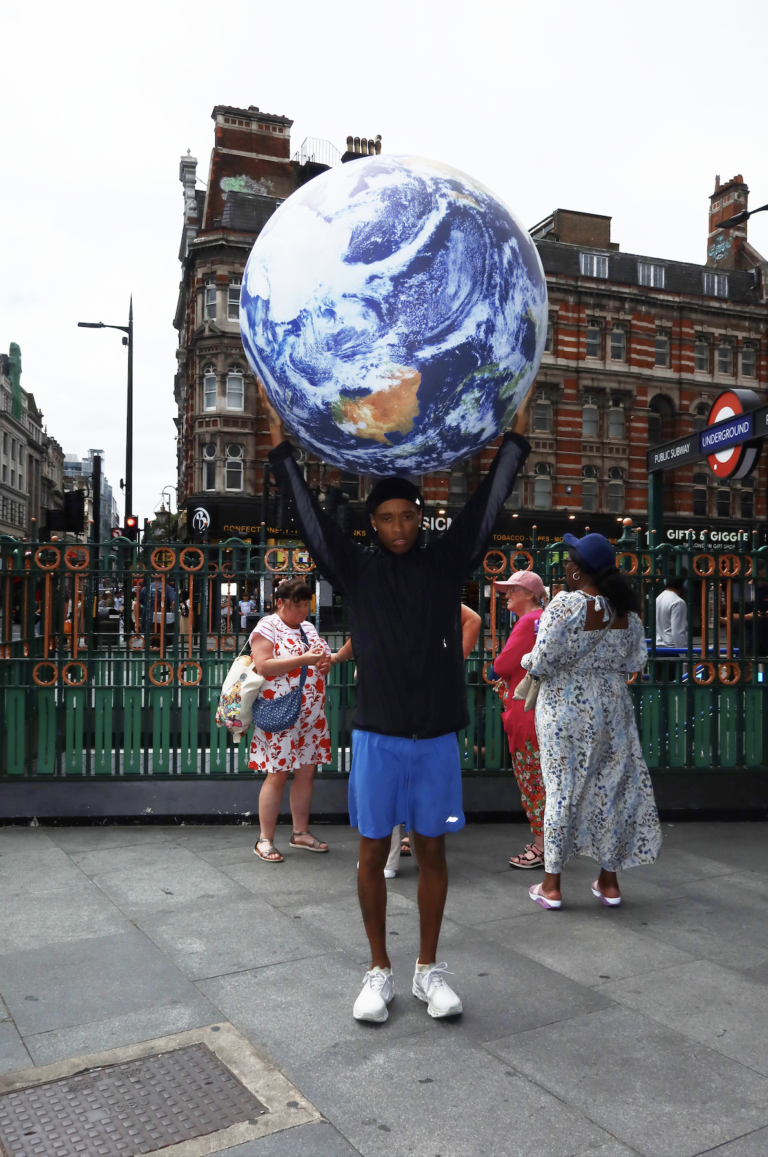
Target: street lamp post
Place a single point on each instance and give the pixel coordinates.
(126, 329)
(739, 218)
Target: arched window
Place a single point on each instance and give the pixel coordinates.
(209, 388)
(590, 418)
(725, 357)
(542, 487)
(723, 501)
(748, 498)
(233, 298)
(542, 413)
(234, 469)
(661, 420)
(701, 354)
(594, 339)
(589, 492)
(515, 500)
(616, 490)
(748, 360)
(235, 388)
(209, 466)
(700, 415)
(209, 307)
(700, 494)
(616, 419)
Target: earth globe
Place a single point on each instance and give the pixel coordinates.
(396, 311)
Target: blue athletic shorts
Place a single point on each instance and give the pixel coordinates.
(416, 782)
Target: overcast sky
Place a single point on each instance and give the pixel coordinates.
(616, 108)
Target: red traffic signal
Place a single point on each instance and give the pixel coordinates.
(131, 529)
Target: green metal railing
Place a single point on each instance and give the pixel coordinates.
(87, 693)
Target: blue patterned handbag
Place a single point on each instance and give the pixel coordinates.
(281, 714)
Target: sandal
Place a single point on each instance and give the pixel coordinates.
(272, 855)
(315, 846)
(530, 858)
(405, 846)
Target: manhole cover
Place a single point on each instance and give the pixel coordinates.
(137, 1107)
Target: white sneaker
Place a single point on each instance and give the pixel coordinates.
(389, 873)
(432, 988)
(378, 990)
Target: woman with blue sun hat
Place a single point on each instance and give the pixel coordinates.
(599, 796)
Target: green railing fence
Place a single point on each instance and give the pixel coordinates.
(86, 692)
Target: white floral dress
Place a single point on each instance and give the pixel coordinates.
(599, 796)
(308, 741)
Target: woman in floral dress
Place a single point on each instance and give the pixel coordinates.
(599, 796)
(278, 654)
(525, 597)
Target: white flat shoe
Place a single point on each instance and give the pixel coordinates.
(609, 901)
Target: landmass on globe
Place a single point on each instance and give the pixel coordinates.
(396, 311)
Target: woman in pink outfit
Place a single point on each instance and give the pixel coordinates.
(525, 598)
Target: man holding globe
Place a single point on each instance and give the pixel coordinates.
(404, 605)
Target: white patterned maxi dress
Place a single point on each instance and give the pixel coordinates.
(599, 796)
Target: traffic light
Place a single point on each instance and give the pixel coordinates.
(131, 528)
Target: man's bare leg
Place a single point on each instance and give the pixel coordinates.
(372, 893)
(433, 889)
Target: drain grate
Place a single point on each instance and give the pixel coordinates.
(136, 1107)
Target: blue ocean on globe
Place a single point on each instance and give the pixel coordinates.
(396, 311)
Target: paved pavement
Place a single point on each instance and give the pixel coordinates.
(588, 1032)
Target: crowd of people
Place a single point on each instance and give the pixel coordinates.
(576, 754)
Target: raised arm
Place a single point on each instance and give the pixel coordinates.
(470, 629)
(466, 538)
(334, 554)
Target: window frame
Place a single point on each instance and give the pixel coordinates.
(617, 409)
(590, 487)
(722, 346)
(616, 496)
(594, 265)
(619, 331)
(662, 335)
(209, 299)
(235, 282)
(749, 493)
(651, 275)
(232, 460)
(550, 339)
(748, 347)
(210, 375)
(702, 341)
(721, 491)
(544, 401)
(715, 284)
(234, 372)
(542, 482)
(593, 326)
(590, 403)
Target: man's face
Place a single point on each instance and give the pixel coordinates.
(397, 523)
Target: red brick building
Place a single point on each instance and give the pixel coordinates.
(638, 348)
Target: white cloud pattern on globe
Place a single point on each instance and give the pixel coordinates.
(396, 311)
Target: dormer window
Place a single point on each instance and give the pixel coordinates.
(593, 265)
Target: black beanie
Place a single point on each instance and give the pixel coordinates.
(389, 488)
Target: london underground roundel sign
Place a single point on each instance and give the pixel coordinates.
(740, 460)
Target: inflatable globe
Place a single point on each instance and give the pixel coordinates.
(396, 312)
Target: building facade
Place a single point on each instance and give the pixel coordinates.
(21, 441)
(637, 350)
(78, 475)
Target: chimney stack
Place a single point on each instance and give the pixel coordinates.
(362, 147)
(724, 245)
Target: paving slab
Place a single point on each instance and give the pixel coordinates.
(316, 1140)
(13, 1054)
(720, 919)
(44, 918)
(431, 1095)
(215, 937)
(160, 857)
(63, 985)
(32, 870)
(99, 837)
(753, 1145)
(298, 1009)
(163, 889)
(590, 946)
(651, 1087)
(502, 991)
(745, 849)
(121, 1031)
(14, 838)
(709, 1003)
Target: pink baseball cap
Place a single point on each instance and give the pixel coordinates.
(523, 578)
